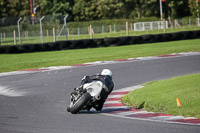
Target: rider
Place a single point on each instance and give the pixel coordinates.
(106, 78)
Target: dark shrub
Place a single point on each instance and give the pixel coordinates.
(99, 42)
(148, 38)
(111, 41)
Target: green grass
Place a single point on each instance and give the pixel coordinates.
(12, 62)
(160, 96)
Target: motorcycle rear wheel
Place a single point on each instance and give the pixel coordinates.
(78, 105)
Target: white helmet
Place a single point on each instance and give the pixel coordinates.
(106, 72)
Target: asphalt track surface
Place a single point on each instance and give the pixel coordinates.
(39, 100)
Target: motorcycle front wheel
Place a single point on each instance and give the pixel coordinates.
(79, 103)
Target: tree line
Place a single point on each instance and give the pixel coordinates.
(86, 10)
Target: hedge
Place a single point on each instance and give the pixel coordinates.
(103, 42)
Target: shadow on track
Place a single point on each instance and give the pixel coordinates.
(111, 110)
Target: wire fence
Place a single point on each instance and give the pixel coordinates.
(14, 31)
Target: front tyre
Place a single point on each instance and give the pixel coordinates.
(78, 105)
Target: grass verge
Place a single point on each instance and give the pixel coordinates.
(12, 62)
(160, 96)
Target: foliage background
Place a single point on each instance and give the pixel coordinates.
(86, 10)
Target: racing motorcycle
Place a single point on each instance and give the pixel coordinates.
(85, 98)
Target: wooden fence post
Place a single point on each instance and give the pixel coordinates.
(47, 33)
(26, 34)
(176, 23)
(78, 29)
(131, 24)
(14, 37)
(197, 21)
(110, 28)
(54, 35)
(126, 28)
(164, 25)
(91, 32)
(102, 29)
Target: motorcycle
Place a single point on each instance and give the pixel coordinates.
(85, 98)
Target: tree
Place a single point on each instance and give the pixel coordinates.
(175, 9)
(98, 9)
(58, 7)
(112, 8)
(23, 8)
(3, 8)
(14, 8)
(194, 6)
(80, 10)
(142, 8)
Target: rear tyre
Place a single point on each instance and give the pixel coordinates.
(78, 105)
(68, 109)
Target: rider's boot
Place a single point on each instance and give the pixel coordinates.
(89, 107)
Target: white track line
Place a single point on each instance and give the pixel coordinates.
(116, 107)
(7, 91)
(115, 96)
(166, 118)
(131, 113)
(129, 88)
(108, 102)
